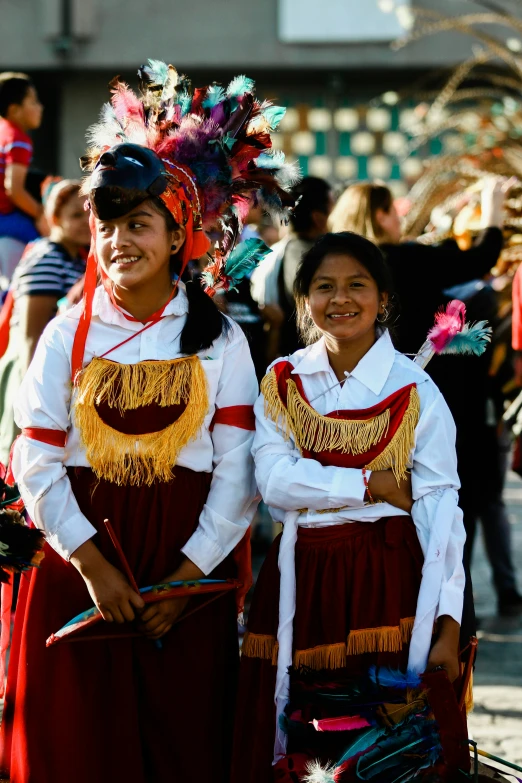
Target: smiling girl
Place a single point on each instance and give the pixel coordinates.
(339, 426)
(137, 408)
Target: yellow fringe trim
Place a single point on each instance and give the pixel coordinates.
(139, 459)
(397, 453)
(325, 656)
(406, 627)
(274, 408)
(468, 698)
(256, 645)
(314, 432)
(384, 639)
(333, 656)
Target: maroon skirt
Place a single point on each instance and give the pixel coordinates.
(121, 709)
(357, 587)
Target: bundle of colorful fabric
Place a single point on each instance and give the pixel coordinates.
(386, 727)
(20, 546)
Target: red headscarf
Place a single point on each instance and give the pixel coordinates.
(183, 201)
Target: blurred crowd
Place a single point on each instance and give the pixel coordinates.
(44, 239)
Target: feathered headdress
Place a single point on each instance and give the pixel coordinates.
(217, 152)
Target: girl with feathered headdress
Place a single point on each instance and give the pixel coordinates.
(137, 408)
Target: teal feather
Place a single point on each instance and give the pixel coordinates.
(362, 743)
(157, 71)
(244, 259)
(273, 115)
(215, 95)
(472, 340)
(239, 86)
(417, 742)
(185, 101)
(272, 160)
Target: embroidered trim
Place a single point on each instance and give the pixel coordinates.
(139, 459)
(333, 656)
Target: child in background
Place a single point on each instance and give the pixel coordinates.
(20, 112)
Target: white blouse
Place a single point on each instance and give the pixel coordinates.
(45, 401)
(290, 483)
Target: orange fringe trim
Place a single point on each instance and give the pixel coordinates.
(333, 656)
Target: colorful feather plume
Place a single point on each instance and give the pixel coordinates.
(362, 743)
(472, 340)
(239, 264)
(452, 335)
(448, 323)
(221, 135)
(406, 751)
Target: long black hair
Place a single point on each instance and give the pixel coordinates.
(205, 323)
(345, 243)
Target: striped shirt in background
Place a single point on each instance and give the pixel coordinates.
(46, 269)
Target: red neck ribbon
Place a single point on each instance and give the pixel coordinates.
(195, 245)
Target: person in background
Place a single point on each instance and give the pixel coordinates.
(48, 269)
(21, 215)
(423, 276)
(272, 282)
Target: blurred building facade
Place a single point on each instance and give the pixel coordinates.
(327, 60)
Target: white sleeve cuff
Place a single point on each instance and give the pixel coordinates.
(71, 535)
(203, 552)
(451, 602)
(348, 488)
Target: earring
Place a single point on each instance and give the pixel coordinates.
(385, 313)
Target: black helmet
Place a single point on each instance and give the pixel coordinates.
(123, 177)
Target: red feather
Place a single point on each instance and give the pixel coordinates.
(347, 723)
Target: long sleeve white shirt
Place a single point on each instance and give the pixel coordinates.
(46, 398)
(290, 483)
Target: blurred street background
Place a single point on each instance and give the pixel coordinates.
(424, 97)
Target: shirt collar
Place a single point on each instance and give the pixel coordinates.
(372, 371)
(105, 310)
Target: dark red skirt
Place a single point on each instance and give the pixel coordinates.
(121, 709)
(357, 588)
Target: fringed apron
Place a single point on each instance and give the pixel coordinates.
(356, 584)
(121, 709)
